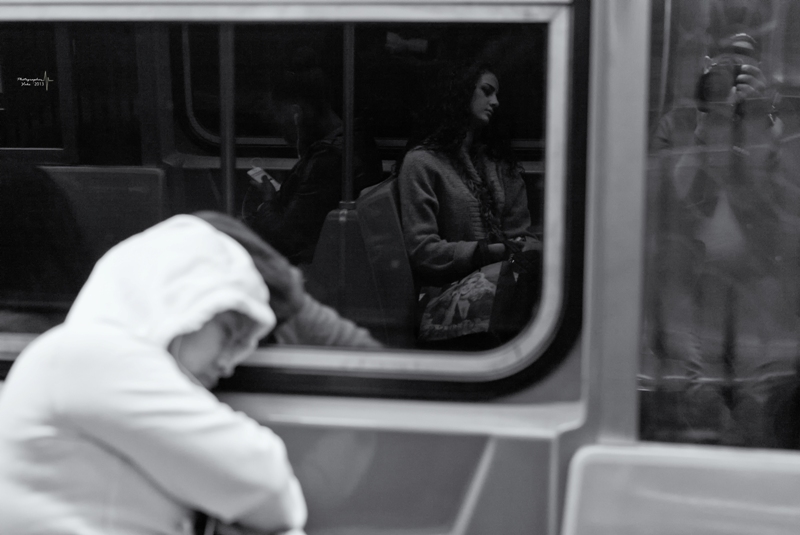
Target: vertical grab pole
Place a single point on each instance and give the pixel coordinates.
(226, 117)
(348, 111)
(347, 202)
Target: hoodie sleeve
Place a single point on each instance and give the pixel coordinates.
(420, 184)
(197, 449)
(317, 324)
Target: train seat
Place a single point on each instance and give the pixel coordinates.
(679, 489)
(112, 203)
(361, 267)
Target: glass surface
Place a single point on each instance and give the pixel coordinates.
(147, 127)
(262, 53)
(721, 334)
(29, 87)
(395, 68)
(398, 65)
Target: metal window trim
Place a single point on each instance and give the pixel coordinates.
(218, 11)
(615, 238)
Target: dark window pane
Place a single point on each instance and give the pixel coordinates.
(106, 89)
(29, 87)
(262, 53)
(398, 66)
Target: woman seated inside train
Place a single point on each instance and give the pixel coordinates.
(462, 198)
(106, 421)
(291, 217)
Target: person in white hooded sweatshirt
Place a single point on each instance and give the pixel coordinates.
(106, 422)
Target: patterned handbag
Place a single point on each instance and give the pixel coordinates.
(498, 299)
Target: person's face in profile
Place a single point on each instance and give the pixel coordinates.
(214, 350)
(289, 116)
(285, 115)
(484, 99)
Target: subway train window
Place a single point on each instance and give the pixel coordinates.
(721, 338)
(412, 174)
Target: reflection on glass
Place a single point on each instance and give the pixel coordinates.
(721, 336)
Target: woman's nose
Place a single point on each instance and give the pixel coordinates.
(494, 102)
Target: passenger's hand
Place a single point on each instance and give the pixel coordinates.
(285, 283)
(750, 83)
(266, 189)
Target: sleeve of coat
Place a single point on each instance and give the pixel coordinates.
(516, 214)
(431, 255)
(194, 447)
(317, 324)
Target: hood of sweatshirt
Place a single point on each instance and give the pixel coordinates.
(170, 280)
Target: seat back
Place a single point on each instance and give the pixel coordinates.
(679, 489)
(361, 268)
(379, 214)
(112, 203)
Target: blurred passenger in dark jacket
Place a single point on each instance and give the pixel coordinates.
(291, 217)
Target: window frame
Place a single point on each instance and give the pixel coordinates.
(416, 365)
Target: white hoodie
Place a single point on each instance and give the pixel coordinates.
(100, 431)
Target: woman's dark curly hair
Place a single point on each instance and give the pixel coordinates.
(453, 116)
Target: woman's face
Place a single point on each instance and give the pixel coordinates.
(484, 99)
(213, 351)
